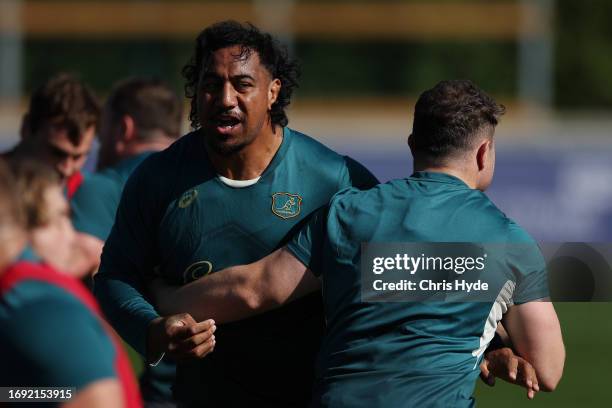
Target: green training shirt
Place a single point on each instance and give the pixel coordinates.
(179, 219)
(95, 203)
(48, 338)
(408, 354)
(94, 206)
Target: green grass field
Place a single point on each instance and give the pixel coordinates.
(587, 380)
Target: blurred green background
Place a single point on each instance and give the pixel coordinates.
(581, 37)
(364, 63)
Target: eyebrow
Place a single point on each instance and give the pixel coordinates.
(212, 75)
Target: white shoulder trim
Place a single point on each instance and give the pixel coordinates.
(500, 306)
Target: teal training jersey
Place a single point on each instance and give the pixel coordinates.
(94, 206)
(401, 354)
(179, 219)
(48, 338)
(95, 203)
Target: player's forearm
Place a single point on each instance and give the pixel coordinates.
(126, 309)
(241, 291)
(228, 295)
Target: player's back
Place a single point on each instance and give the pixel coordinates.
(398, 353)
(51, 334)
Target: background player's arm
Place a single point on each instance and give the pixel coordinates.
(102, 394)
(535, 332)
(245, 290)
(93, 210)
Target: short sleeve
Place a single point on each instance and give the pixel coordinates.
(307, 244)
(94, 205)
(528, 265)
(56, 343)
(354, 174)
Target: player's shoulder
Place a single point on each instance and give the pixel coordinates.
(357, 197)
(162, 162)
(77, 350)
(502, 226)
(315, 154)
(98, 184)
(308, 147)
(33, 292)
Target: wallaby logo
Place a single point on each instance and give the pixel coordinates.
(286, 205)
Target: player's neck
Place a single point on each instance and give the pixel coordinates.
(154, 145)
(453, 171)
(250, 162)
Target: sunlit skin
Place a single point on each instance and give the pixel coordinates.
(52, 145)
(53, 241)
(235, 96)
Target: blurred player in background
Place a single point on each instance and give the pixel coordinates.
(141, 116)
(12, 224)
(228, 193)
(397, 354)
(58, 130)
(51, 330)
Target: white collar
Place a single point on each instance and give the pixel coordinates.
(238, 183)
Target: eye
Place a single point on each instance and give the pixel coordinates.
(243, 85)
(209, 85)
(58, 153)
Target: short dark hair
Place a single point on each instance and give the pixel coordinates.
(65, 101)
(274, 57)
(449, 117)
(150, 102)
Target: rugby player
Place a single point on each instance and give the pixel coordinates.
(140, 116)
(231, 192)
(393, 354)
(58, 130)
(52, 333)
(12, 229)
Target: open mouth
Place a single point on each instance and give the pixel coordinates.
(226, 123)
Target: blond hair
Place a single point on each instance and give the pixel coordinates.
(33, 179)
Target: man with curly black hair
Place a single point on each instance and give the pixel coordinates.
(229, 193)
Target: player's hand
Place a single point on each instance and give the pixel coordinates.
(181, 337)
(503, 363)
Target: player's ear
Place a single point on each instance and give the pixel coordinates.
(273, 91)
(128, 128)
(484, 154)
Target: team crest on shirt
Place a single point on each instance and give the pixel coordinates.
(187, 198)
(197, 270)
(286, 205)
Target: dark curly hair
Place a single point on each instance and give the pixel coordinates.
(274, 57)
(449, 117)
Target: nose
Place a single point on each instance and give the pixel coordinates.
(227, 99)
(66, 167)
